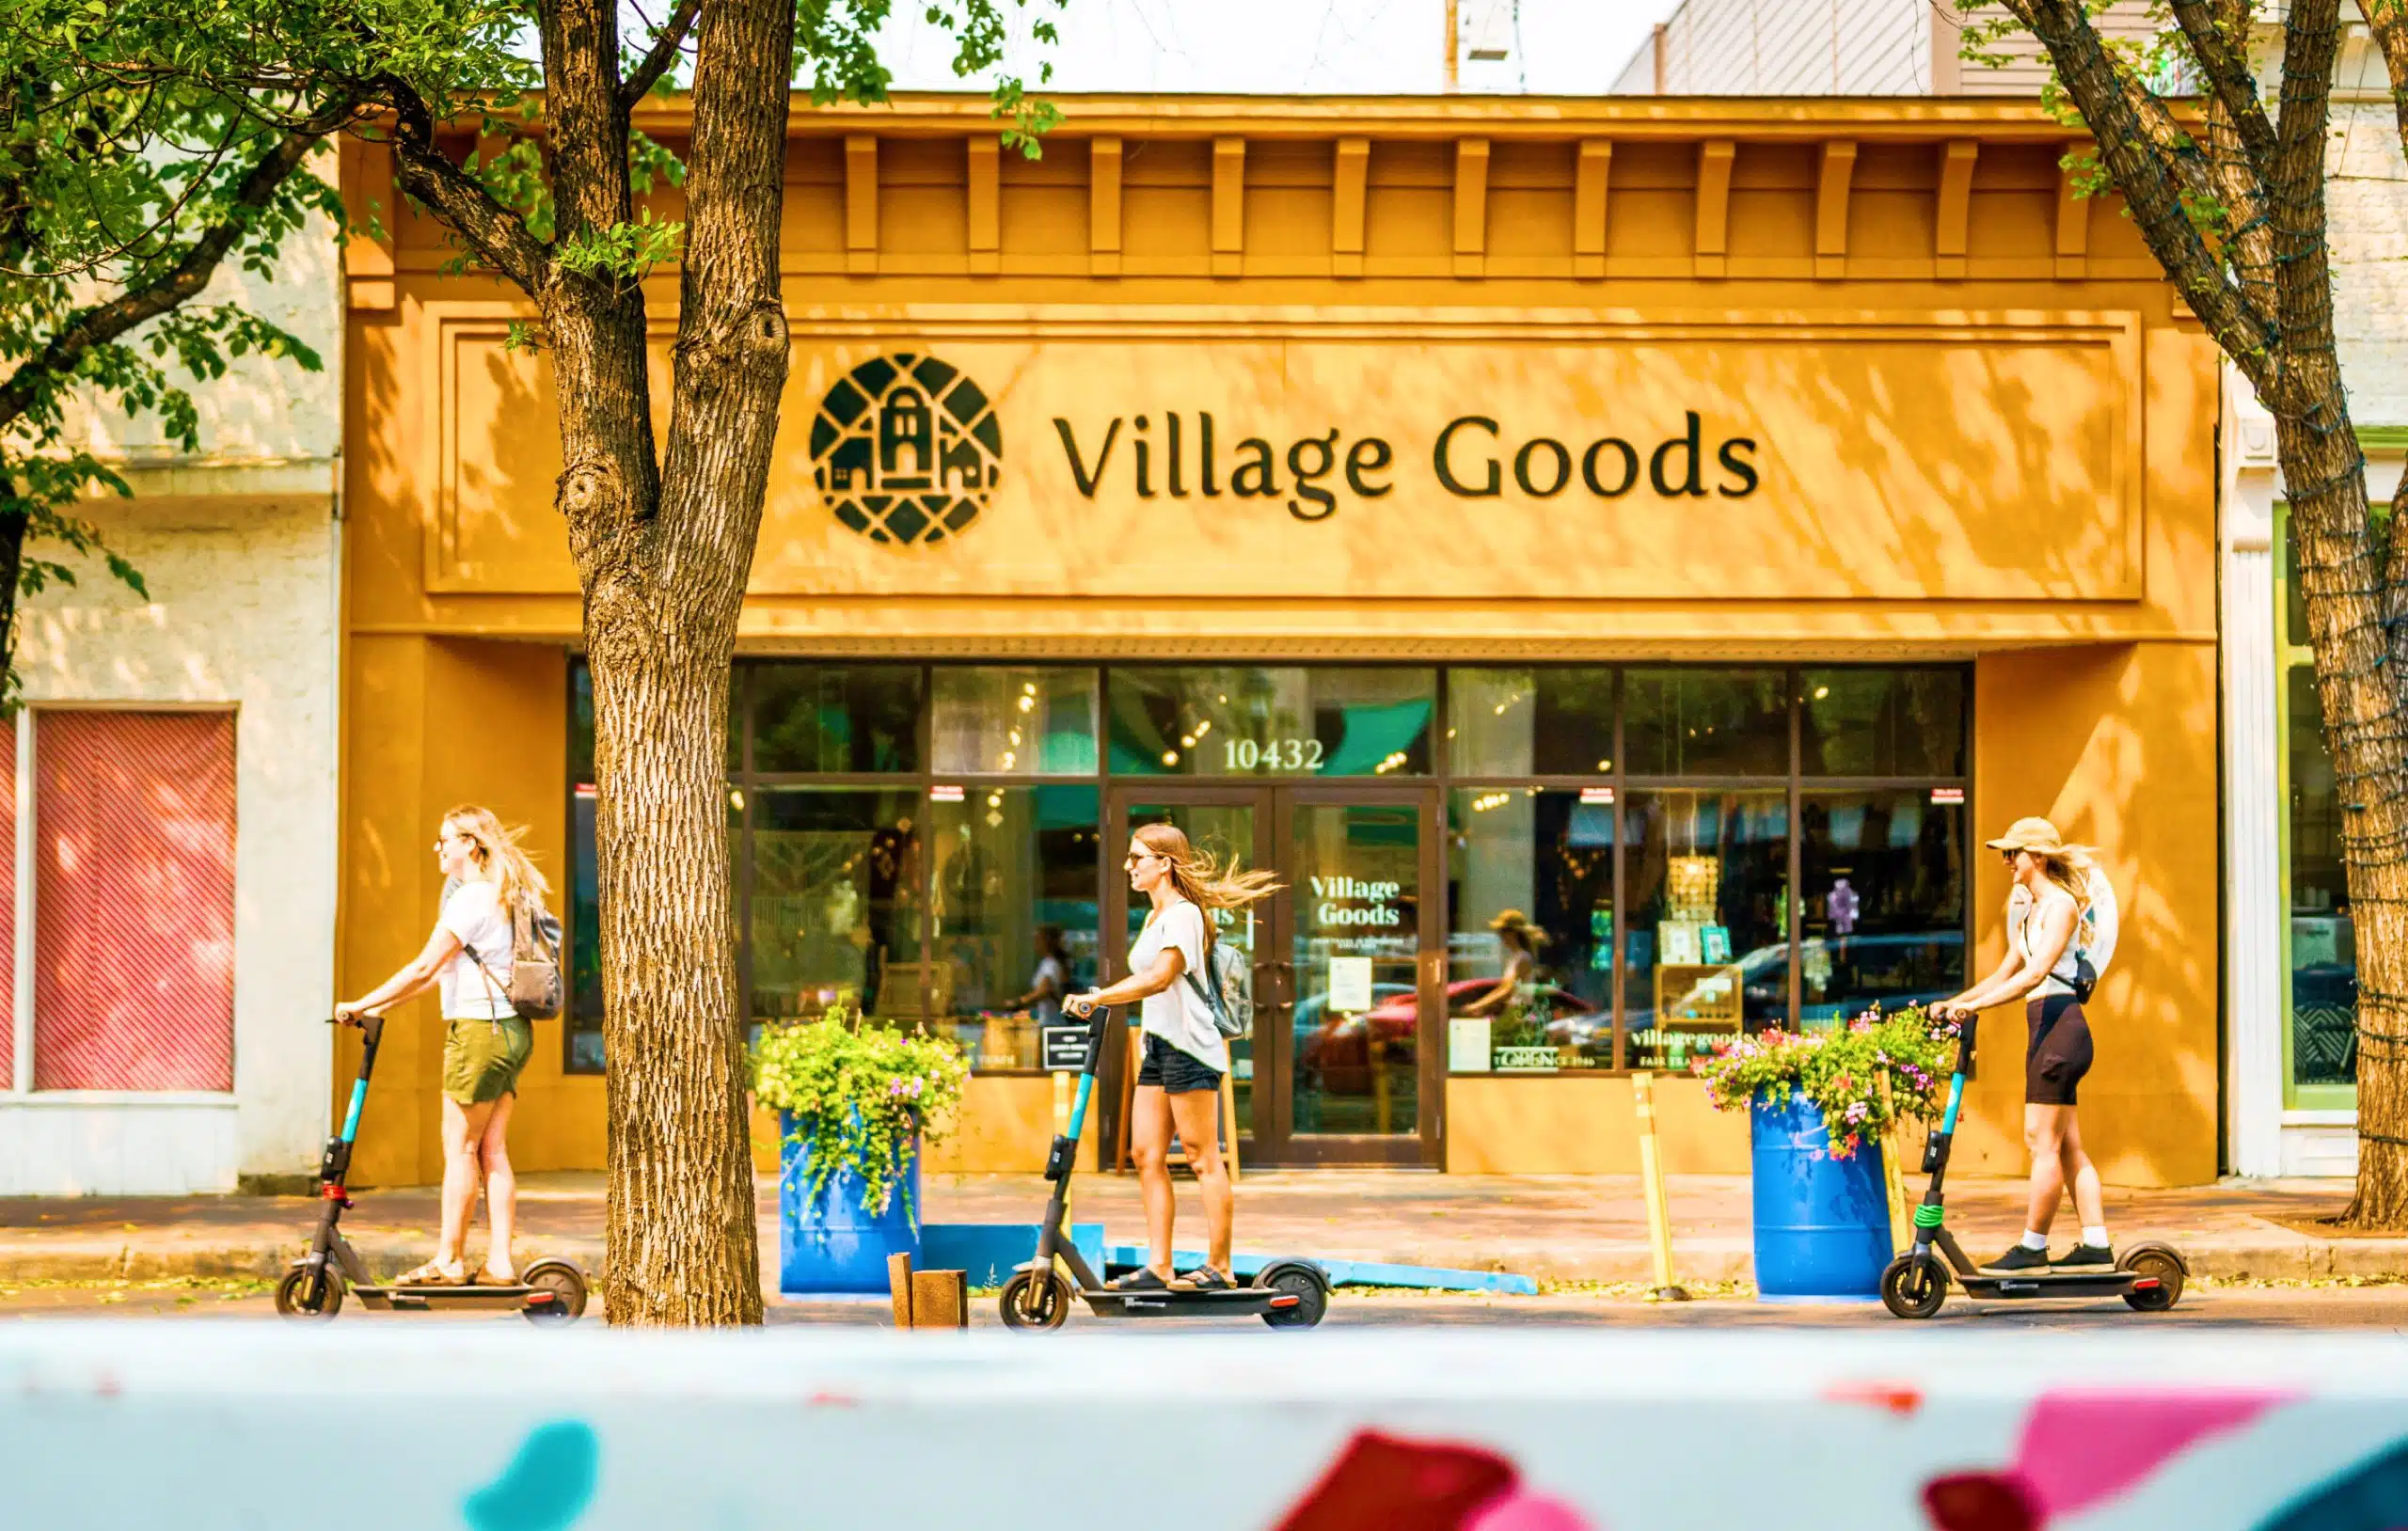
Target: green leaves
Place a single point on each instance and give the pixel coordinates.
(861, 1096)
(623, 252)
(836, 54)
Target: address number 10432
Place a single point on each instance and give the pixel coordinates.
(1272, 755)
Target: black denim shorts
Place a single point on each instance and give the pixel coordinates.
(1174, 1070)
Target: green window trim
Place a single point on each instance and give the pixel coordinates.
(2295, 665)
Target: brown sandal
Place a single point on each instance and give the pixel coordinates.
(433, 1274)
(485, 1277)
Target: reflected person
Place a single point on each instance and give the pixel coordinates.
(1518, 942)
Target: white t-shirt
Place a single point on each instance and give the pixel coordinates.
(1055, 980)
(474, 913)
(1179, 1014)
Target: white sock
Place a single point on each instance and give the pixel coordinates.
(2035, 1240)
(2095, 1235)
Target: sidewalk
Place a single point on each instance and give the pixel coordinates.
(1557, 1228)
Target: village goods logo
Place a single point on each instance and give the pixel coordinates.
(907, 450)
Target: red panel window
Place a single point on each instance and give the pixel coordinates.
(7, 903)
(134, 901)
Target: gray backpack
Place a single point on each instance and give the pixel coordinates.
(1229, 996)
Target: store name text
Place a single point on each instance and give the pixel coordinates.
(1472, 458)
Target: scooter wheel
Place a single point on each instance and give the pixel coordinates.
(295, 1300)
(2164, 1265)
(1036, 1300)
(1912, 1289)
(566, 1284)
(1312, 1299)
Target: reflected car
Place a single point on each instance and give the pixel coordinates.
(1336, 1049)
(1764, 975)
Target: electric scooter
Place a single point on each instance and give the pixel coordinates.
(2147, 1276)
(548, 1291)
(1287, 1294)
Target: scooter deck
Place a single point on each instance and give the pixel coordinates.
(1173, 1304)
(419, 1299)
(2072, 1284)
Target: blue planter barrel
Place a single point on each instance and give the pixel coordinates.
(1822, 1224)
(835, 1244)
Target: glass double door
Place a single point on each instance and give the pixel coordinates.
(1343, 1064)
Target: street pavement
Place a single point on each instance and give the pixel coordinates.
(1558, 1229)
(2216, 1307)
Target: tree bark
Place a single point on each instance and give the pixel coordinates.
(664, 590)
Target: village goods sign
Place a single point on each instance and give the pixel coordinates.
(907, 451)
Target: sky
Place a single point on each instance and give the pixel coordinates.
(1335, 47)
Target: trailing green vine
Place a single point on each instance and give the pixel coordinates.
(1865, 1077)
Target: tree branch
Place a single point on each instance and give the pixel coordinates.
(2137, 142)
(498, 235)
(2230, 82)
(666, 45)
(104, 323)
(2387, 20)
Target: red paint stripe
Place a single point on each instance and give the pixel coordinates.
(134, 888)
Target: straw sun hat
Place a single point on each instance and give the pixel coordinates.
(2038, 836)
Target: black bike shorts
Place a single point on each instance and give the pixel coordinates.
(2058, 1055)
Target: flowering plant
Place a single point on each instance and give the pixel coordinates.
(860, 1093)
(1843, 1071)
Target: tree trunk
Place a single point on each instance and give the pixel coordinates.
(664, 595)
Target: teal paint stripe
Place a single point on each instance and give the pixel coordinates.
(351, 1117)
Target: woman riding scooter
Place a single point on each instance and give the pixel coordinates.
(1180, 1081)
(486, 1043)
(2043, 911)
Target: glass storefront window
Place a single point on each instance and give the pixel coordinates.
(1707, 951)
(2323, 936)
(1883, 889)
(833, 718)
(1706, 723)
(835, 890)
(1530, 722)
(1530, 951)
(1012, 721)
(1252, 721)
(1013, 915)
(1881, 722)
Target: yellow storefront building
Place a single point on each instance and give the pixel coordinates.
(1615, 561)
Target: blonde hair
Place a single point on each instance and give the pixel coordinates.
(497, 853)
(1202, 878)
(2069, 868)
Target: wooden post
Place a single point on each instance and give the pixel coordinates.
(1651, 1173)
(898, 1286)
(1893, 1172)
(939, 1300)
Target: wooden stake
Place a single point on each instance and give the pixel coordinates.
(1651, 1174)
(1893, 1171)
(939, 1300)
(899, 1287)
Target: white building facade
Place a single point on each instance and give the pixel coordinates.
(2289, 943)
(171, 857)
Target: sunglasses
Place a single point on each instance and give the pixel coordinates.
(1134, 857)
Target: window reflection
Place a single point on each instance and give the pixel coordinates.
(836, 905)
(1706, 723)
(1881, 722)
(1707, 953)
(2323, 936)
(1530, 959)
(1251, 721)
(1530, 722)
(834, 718)
(1018, 721)
(1012, 913)
(1884, 895)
